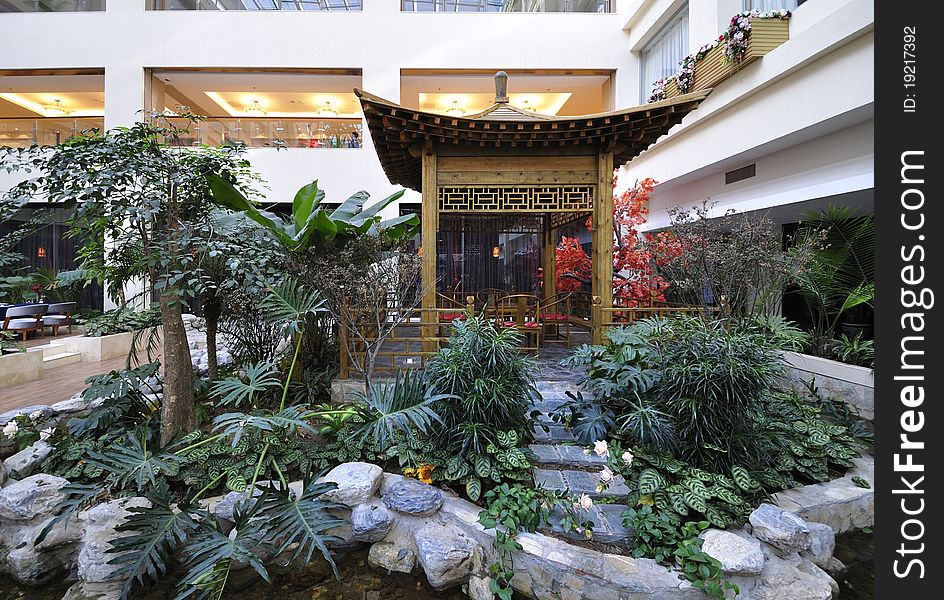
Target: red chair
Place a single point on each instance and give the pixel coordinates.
(556, 312)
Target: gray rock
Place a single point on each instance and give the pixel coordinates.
(738, 555)
(357, 482)
(31, 497)
(84, 590)
(780, 528)
(445, 555)
(413, 498)
(92, 564)
(73, 405)
(31, 567)
(7, 416)
(26, 462)
(787, 579)
(370, 522)
(392, 557)
(3, 474)
(822, 545)
(224, 508)
(479, 590)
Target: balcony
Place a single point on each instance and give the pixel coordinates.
(23, 133)
(257, 5)
(513, 6)
(29, 6)
(263, 132)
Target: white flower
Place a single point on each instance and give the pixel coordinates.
(606, 475)
(586, 450)
(35, 415)
(45, 433)
(10, 429)
(601, 447)
(628, 458)
(586, 502)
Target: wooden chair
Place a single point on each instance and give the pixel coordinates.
(556, 312)
(488, 299)
(520, 311)
(59, 315)
(24, 319)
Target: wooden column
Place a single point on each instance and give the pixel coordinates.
(549, 258)
(430, 226)
(602, 283)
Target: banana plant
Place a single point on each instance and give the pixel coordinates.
(311, 222)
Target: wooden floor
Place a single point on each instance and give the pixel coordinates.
(57, 384)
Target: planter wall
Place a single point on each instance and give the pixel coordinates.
(20, 367)
(854, 385)
(106, 347)
(766, 35)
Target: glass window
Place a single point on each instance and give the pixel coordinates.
(287, 5)
(51, 5)
(661, 56)
(556, 6)
(771, 4)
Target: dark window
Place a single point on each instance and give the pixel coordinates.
(739, 174)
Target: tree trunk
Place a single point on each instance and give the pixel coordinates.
(177, 414)
(211, 313)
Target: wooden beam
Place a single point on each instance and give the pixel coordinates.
(430, 227)
(549, 258)
(602, 236)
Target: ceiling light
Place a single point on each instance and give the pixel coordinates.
(455, 109)
(55, 109)
(326, 110)
(255, 109)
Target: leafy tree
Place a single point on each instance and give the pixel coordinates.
(138, 185)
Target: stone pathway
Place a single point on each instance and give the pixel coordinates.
(562, 464)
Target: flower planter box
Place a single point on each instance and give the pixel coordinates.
(766, 34)
(106, 347)
(854, 385)
(20, 367)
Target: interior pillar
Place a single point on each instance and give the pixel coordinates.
(602, 281)
(430, 227)
(549, 258)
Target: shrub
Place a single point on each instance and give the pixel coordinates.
(120, 321)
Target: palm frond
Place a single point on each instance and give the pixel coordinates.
(235, 425)
(289, 302)
(155, 534)
(75, 497)
(286, 520)
(210, 555)
(260, 377)
(402, 405)
(132, 461)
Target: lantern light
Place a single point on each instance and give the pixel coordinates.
(41, 252)
(496, 251)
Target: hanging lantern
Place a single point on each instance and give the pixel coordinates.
(41, 252)
(496, 251)
(419, 251)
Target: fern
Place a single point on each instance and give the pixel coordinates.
(289, 302)
(401, 406)
(235, 425)
(260, 378)
(133, 462)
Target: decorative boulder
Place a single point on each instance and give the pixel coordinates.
(26, 462)
(224, 508)
(446, 556)
(357, 482)
(392, 556)
(780, 528)
(738, 555)
(92, 565)
(83, 590)
(73, 405)
(3, 474)
(31, 567)
(413, 497)
(370, 522)
(822, 545)
(28, 498)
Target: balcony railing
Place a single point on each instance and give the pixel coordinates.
(285, 5)
(273, 132)
(8, 6)
(518, 6)
(48, 131)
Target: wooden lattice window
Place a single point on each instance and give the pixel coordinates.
(516, 198)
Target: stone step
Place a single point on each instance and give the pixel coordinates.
(61, 359)
(607, 523)
(579, 482)
(562, 454)
(554, 433)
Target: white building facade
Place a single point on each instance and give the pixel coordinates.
(802, 115)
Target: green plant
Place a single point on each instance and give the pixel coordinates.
(15, 288)
(120, 321)
(498, 461)
(784, 333)
(842, 276)
(259, 379)
(10, 343)
(515, 508)
(403, 406)
(662, 536)
(853, 350)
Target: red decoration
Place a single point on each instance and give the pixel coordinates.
(635, 256)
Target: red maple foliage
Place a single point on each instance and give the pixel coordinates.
(636, 257)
